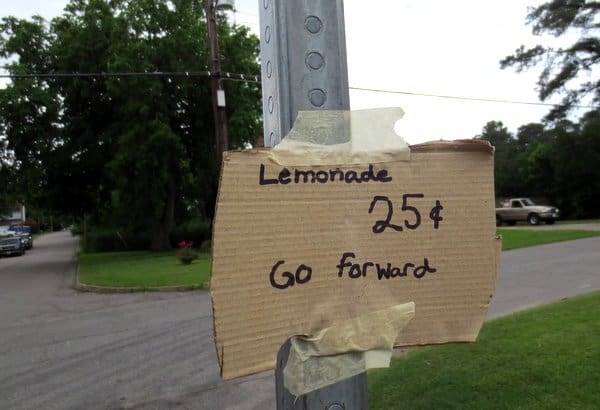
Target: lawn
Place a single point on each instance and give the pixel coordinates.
(543, 358)
(516, 238)
(142, 270)
(578, 221)
(565, 222)
(146, 270)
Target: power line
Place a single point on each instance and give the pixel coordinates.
(224, 75)
(257, 79)
(453, 97)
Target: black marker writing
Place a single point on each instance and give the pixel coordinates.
(310, 176)
(409, 210)
(354, 270)
(302, 276)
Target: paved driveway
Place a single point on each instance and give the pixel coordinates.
(60, 349)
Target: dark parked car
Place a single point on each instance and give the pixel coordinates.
(12, 245)
(24, 232)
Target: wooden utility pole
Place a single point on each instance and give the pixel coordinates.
(218, 94)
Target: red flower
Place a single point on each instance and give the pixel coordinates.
(186, 255)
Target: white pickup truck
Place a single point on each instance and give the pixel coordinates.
(524, 209)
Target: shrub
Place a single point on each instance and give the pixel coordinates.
(197, 231)
(77, 229)
(105, 239)
(114, 240)
(206, 246)
(186, 255)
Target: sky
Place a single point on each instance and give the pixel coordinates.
(435, 47)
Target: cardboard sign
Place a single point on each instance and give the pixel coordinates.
(296, 249)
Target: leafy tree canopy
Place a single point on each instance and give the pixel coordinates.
(563, 66)
(556, 162)
(136, 151)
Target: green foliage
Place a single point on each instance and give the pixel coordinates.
(114, 240)
(557, 163)
(117, 239)
(131, 151)
(505, 157)
(206, 246)
(563, 65)
(77, 229)
(196, 231)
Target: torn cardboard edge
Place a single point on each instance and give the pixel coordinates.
(324, 146)
(463, 145)
(438, 147)
(454, 145)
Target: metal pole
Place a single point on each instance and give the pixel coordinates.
(303, 57)
(218, 94)
(304, 67)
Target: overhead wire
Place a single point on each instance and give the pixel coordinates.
(454, 97)
(205, 73)
(257, 79)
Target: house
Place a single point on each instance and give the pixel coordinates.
(12, 215)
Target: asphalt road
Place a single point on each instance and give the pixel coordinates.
(60, 349)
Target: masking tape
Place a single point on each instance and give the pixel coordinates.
(342, 138)
(344, 349)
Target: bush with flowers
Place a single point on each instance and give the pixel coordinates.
(186, 255)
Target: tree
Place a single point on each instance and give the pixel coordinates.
(136, 151)
(506, 159)
(563, 65)
(529, 134)
(556, 163)
(577, 176)
(28, 111)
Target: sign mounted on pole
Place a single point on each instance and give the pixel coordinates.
(344, 240)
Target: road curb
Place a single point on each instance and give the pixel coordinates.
(82, 287)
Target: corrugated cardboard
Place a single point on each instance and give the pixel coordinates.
(446, 263)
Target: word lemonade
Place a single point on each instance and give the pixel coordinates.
(348, 266)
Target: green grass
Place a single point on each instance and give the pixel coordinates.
(142, 270)
(563, 222)
(543, 358)
(579, 221)
(513, 238)
(146, 270)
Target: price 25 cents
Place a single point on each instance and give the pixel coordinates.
(411, 213)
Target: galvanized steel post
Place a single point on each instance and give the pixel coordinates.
(303, 57)
(304, 67)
